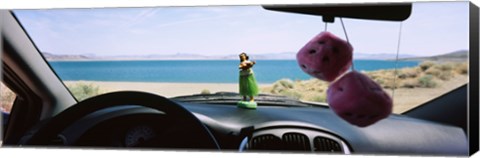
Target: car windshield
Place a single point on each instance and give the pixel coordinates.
(183, 51)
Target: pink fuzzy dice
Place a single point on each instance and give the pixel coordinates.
(358, 99)
(325, 56)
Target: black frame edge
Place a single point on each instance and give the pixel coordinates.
(473, 112)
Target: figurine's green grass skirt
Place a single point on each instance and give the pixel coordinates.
(248, 84)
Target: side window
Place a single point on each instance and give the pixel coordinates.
(6, 103)
(7, 98)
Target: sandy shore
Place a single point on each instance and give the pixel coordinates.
(404, 98)
(164, 89)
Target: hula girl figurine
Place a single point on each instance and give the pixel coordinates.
(247, 83)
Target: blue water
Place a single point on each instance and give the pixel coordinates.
(197, 71)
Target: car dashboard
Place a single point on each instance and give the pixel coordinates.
(265, 129)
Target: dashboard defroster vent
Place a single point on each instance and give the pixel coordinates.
(296, 142)
(266, 142)
(322, 144)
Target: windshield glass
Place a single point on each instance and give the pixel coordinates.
(177, 51)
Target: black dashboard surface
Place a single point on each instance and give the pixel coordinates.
(394, 135)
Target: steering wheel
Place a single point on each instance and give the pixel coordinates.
(202, 137)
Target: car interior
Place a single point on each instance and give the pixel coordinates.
(46, 114)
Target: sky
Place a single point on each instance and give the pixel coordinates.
(433, 28)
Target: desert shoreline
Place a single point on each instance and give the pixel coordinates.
(166, 89)
(404, 98)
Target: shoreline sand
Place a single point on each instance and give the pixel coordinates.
(165, 89)
(404, 98)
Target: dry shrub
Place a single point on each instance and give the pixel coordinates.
(282, 85)
(287, 83)
(276, 89)
(318, 98)
(408, 73)
(441, 71)
(320, 89)
(445, 75)
(462, 68)
(7, 98)
(383, 77)
(410, 83)
(444, 66)
(390, 84)
(426, 65)
(433, 71)
(380, 81)
(427, 81)
(205, 91)
(82, 90)
(291, 94)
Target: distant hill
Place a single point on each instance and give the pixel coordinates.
(293, 56)
(267, 56)
(380, 56)
(50, 56)
(177, 56)
(230, 56)
(460, 55)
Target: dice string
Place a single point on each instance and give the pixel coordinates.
(346, 37)
(325, 26)
(344, 30)
(396, 61)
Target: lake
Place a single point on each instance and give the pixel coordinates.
(195, 71)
